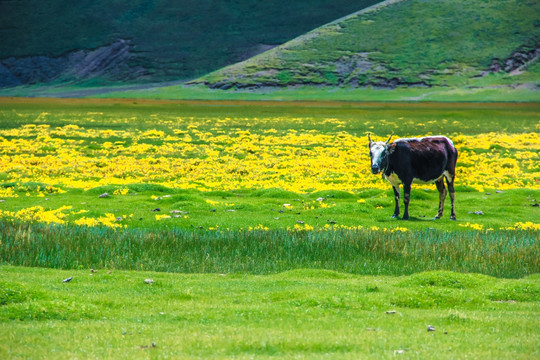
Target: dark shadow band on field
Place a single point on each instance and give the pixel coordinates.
(500, 253)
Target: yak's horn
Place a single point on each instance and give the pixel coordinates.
(387, 141)
(369, 137)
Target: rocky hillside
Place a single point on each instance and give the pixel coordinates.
(423, 43)
(118, 41)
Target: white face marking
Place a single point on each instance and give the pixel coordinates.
(377, 151)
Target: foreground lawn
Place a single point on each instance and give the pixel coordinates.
(296, 314)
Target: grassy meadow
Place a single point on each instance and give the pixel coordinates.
(304, 314)
(279, 237)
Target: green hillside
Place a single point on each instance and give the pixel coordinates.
(413, 43)
(118, 41)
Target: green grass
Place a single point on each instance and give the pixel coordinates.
(244, 209)
(503, 93)
(496, 253)
(307, 314)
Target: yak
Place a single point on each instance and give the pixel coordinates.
(416, 160)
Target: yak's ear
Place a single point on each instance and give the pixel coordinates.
(369, 137)
(391, 148)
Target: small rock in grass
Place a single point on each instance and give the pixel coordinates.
(300, 221)
(178, 212)
(498, 191)
(93, 271)
(398, 352)
(156, 209)
(479, 212)
(68, 279)
(430, 328)
(320, 199)
(104, 195)
(1, 201)
(332, 222)
(391, 312)
(148, 281)
(119, 218)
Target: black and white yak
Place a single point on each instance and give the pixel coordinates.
(416, 160)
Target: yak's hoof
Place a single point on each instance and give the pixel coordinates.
(405, 217)
(453, 218)
(437, 217)
(395, 216)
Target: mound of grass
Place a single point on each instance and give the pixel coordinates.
(332, 194)
(274, 193)
(446, 279)
(11, 293)
(523, 290)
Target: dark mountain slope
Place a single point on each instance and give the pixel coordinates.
(111, 41)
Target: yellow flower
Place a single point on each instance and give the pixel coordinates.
(473, 226)
(123, 191)
(163, 216)
(528, 225)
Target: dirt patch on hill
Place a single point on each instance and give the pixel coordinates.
(111, 61)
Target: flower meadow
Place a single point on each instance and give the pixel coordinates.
(48, 153)
(207, 156)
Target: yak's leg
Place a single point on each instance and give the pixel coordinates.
(406, 199)
(442, 196)
(450, 183)
(396, 196)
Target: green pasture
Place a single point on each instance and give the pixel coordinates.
(231, 278)
(501, 93)
(303, 314)
(478, 91)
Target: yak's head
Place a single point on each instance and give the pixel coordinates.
(378, 151)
